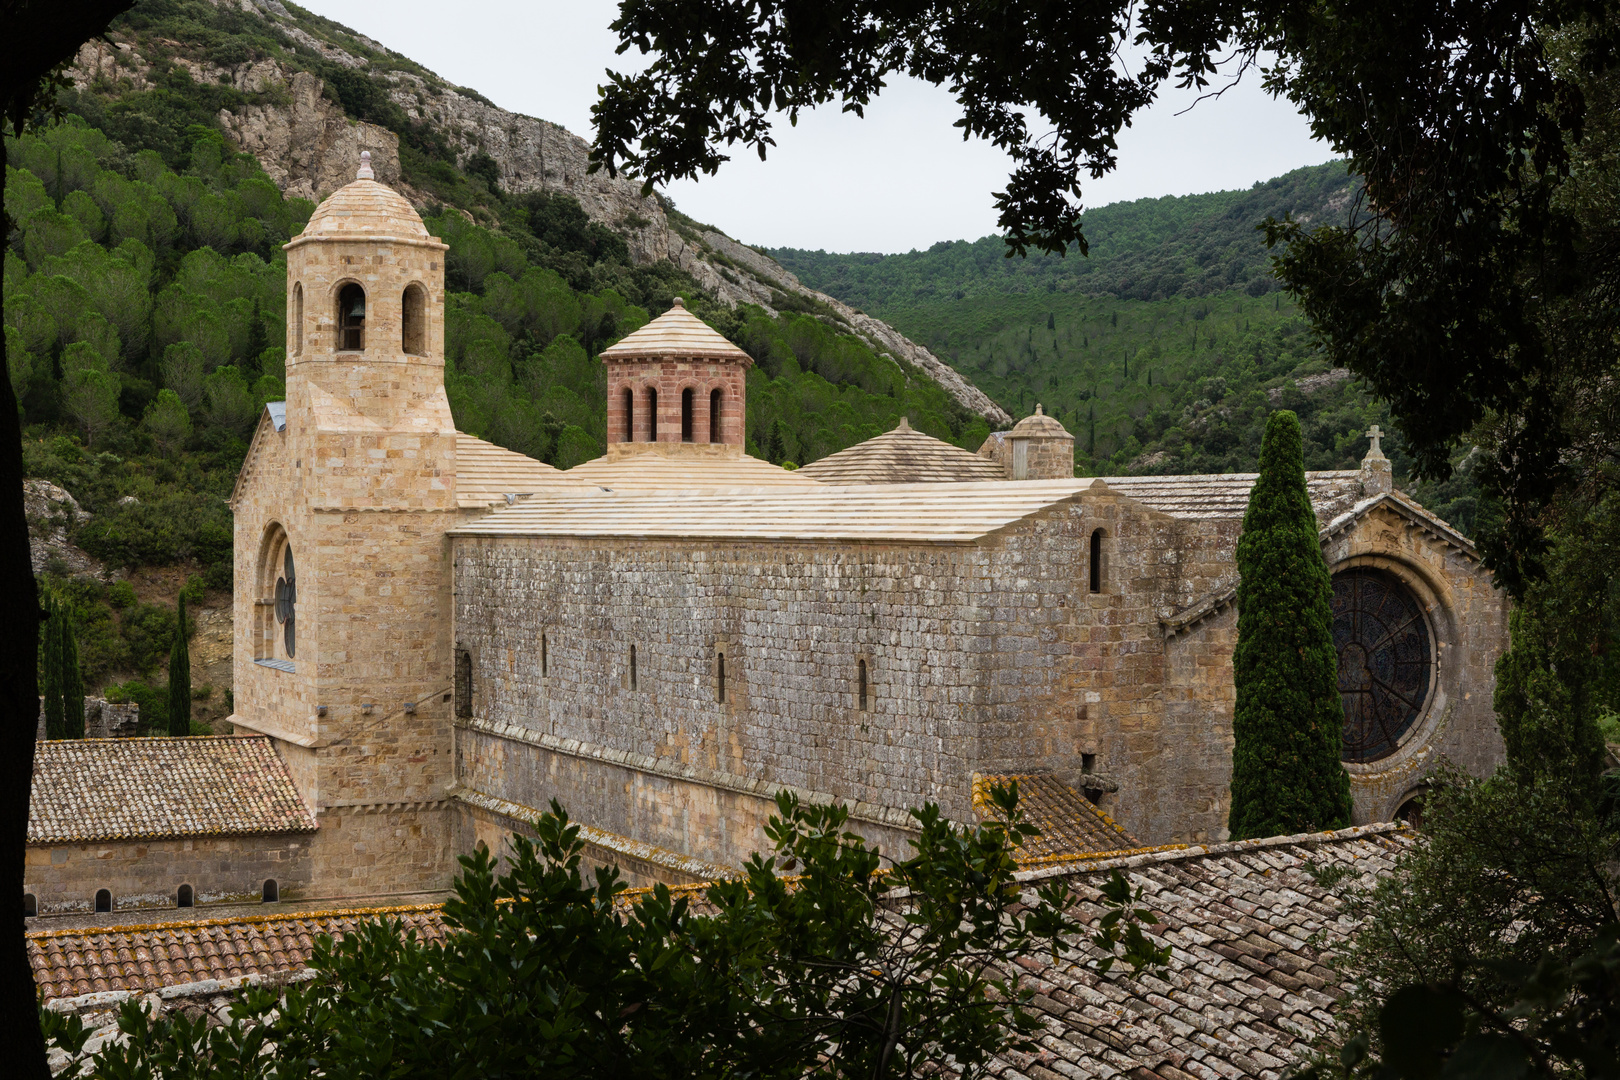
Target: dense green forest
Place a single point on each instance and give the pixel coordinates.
(144, 290)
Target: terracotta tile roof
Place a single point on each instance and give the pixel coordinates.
(146, 789)
(68, 963)
(903, 456)
(486, 473)
(658, 470)
(1247, 987)
(1071, 827)
(676, 333)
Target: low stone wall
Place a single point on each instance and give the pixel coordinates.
(64, 878)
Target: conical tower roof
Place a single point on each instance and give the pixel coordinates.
(677, 332)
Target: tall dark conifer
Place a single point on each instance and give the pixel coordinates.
(180, 678)
(72, 679)
(1287, 776)
(50, 670)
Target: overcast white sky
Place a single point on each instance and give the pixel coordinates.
(900, 179)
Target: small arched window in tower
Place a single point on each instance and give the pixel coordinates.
(464, 683)
(860, 684)
(287, 602)
(103, 901)
(715, 400)
(686, 414)
(351, 318)
(652, 414)
(298, 319)
(720, 677)
(30, 905)
(413, 320)
(272, 891)
(632, 667)
(1096, 560)
(629, 415)
(185, 896)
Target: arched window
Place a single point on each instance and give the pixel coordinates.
(715, 398)
(652, 414)
(298, 319)
(860, 684)
(103, 901)
(629, 415)
(272, 892)
(720, 677)
(632, 667)
(1096, 560)
(413, 320)
(351, 318)
(287, 602)
(686, 414)
(30, 905)
(185, 896)
(274, 629)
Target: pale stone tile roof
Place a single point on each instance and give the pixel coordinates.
(364, 208)
(903, 456)
(1247, 988)
(1071, 827)
(696, 471)
(88, 790)
(1224, 495)
(1038, 425)
(924, 512)
(68, 963)
(676, 333)
(486, 473)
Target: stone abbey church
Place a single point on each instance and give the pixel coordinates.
(436, 637)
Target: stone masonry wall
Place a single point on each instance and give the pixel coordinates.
(64, 878)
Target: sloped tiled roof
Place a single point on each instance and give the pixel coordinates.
(903, 456)
(661, 471)
(68, 963)
(146, 789)
(1226, 495)
(1071, 827)
(1247, 988)
(676, 333)
(486, 473)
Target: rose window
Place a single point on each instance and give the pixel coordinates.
(1386, 659)
(287, 600)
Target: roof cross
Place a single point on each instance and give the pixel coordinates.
(1373, 433)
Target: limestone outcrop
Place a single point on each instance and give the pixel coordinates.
(308, 146)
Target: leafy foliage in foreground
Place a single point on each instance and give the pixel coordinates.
(844, 967)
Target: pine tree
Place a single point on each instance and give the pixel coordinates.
(50, 674)
(72, 683)
(1288, 724)
(180, 678)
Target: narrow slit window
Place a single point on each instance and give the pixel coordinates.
(686, 414)
(351, 318)
(103, 901)
(464, 683)
(1096, 561)
(632, 667)
(298, 319)
(720, 677)
(629, 415)
(185, 896)
(860, 684)
(413, 320)
(545, 658)
(715, 407)
(272, 891)
(652, 415)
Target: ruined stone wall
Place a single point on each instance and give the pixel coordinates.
(64, 878)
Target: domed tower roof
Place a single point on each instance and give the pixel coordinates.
(362, 209)
(1038, 426)
(679, 333)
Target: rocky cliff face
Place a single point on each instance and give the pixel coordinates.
(309, 146)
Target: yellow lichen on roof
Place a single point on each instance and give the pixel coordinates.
(1071, 826)
(676, 333)
(903, 456)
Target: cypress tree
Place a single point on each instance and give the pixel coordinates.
(1288, 724)
(50, 674)
(72, 683)
(180, 678)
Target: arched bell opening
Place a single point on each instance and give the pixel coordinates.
(351, 318)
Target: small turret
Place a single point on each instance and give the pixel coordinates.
(1037, 448)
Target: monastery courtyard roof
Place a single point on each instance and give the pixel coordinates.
(1247, 987)
(88, 790)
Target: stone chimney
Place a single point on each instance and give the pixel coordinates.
(1377, 475)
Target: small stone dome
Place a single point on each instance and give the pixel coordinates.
(1038, 426)
(365, 208)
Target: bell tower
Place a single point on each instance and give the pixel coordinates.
(342, 584)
